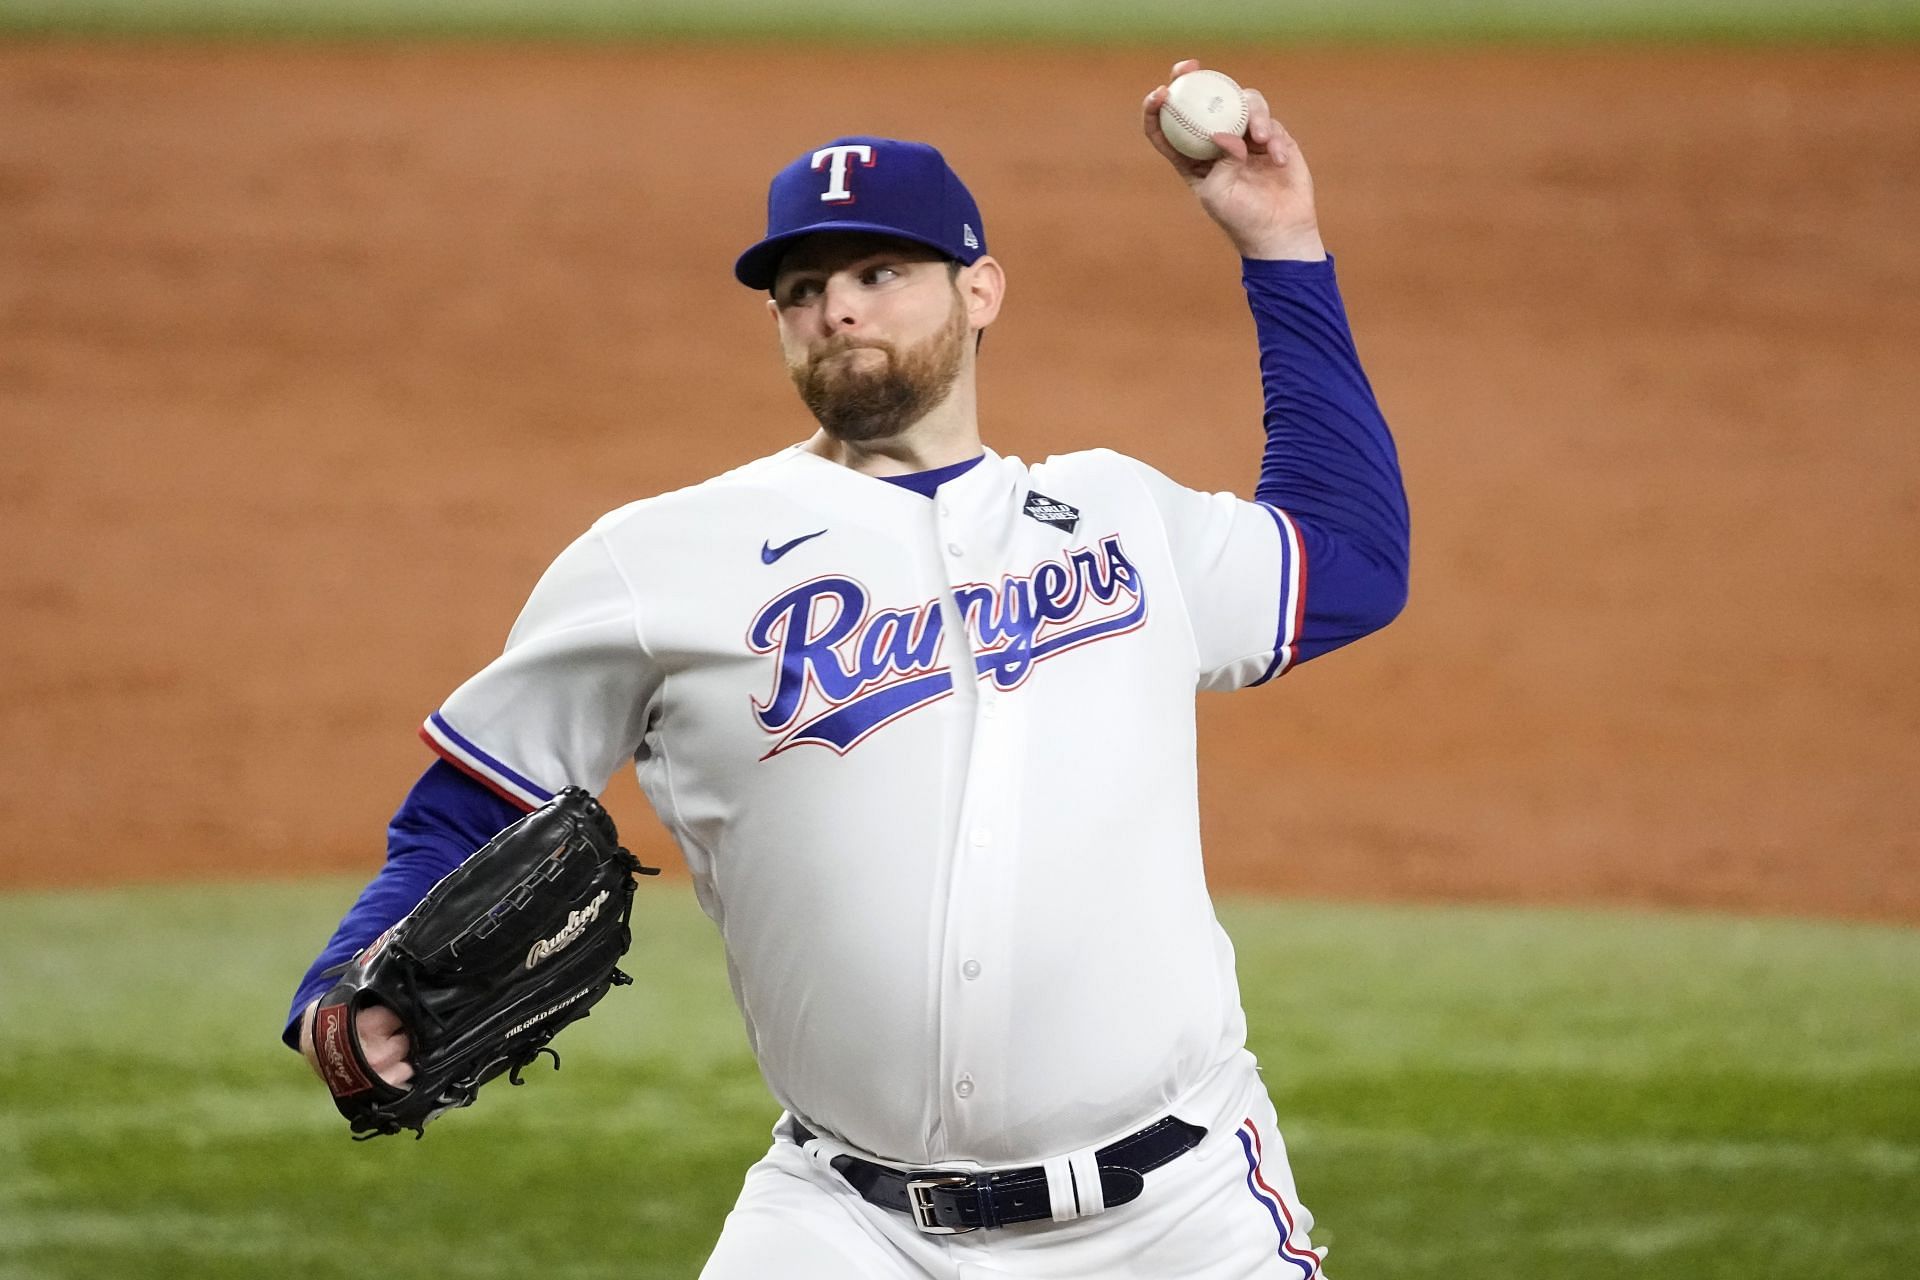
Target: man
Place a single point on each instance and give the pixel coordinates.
(920, 718)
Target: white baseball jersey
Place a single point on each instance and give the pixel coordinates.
(931, 763)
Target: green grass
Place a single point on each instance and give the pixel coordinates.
(1492, 1093)
(1240, 21)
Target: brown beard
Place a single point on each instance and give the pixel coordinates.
(860, 405)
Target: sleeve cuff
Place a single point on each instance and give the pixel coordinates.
(1283, 269)
(481, 767)
(1293, 595)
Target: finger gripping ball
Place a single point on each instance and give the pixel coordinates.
(1199, 104)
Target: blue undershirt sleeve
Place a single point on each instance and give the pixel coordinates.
(444, 818)
(1329, 461)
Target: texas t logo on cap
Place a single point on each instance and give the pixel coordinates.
(879, 186)
(835, 160)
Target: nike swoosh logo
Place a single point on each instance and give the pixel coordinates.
(769, 553)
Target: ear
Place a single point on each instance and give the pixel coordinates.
(982, 285)
(773, 309)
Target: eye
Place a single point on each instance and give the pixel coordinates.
(800, 291)
(879, 273)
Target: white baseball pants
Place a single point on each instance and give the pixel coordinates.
(1226, 1210)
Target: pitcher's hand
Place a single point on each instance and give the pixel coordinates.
(1258, 191)
(382, 1039)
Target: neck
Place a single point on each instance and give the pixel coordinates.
(949, 433)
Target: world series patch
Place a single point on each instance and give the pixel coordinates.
(1052, 511)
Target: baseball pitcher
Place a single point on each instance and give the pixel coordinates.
(920, 717)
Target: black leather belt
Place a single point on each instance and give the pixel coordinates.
(944, 1202)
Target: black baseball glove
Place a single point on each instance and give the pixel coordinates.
(518, 941)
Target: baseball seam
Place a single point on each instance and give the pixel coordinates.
(1202, 135)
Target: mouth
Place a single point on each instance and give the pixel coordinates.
(852, 354)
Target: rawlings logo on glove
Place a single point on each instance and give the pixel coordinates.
(577, 922)
(518, 942)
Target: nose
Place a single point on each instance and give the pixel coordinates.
(841, 309)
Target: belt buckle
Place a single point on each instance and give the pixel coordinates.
(920, 1201)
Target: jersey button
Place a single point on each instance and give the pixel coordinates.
(981, 837)
(971, 969)
(964, 1086)
(954, 549)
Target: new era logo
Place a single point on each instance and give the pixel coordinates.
(967, 237)
(1052, 511)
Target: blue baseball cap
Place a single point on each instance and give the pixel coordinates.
(878, 185)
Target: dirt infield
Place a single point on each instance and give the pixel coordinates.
(311, 358)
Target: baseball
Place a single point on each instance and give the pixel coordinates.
(1201, 103)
